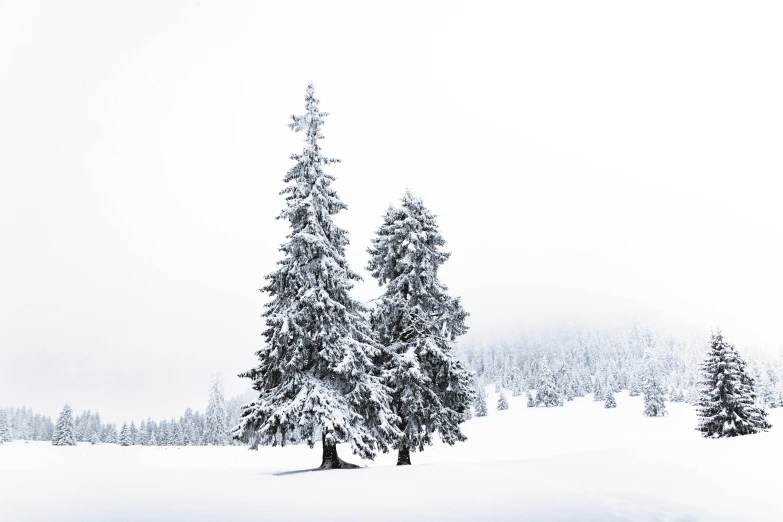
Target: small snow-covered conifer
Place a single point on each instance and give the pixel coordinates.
(502, 401)
(125, 435)
(5, 431)
(110, 434)
(480, 402)
(654, 395)
(727, 407)
(64, 429)
(173, 433)
(531, 403)
(216, 429)
(634, 384)
(610, 402)
(547, 393)
(519, 386)
(133, 433)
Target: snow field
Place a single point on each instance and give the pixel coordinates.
(579, 462)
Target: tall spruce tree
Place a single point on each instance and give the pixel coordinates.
(216, 419)
(416, 322)
(315, 373)
(727, 405)
(64, 429)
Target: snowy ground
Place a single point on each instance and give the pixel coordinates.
(580, 462)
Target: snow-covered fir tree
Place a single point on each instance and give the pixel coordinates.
(654, 394)
(727, 407)
(216, 429)
(94, 438)
(109, 434)
(547, 393)
(315, 373)
(125, 435)
(610, 402)
(599, 393)
(480, 402)
(173, 433)
(416, 322)
(133, 433)
(5, 430)
(64, 429)
(502, 401)
(634, 384)
(531, 403)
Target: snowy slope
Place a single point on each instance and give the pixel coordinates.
(580, 462)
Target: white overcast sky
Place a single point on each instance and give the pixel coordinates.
(589, 161)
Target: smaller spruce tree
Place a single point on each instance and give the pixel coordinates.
(610, 402)
(480, 404)
(502, 401)
(64, 429)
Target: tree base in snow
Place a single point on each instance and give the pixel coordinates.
(330, 458)
(340, 464)
(404, 457)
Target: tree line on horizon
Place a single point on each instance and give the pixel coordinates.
(190, 429)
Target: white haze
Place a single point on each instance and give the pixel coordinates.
(592, 162)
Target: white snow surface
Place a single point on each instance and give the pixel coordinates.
(579, 462)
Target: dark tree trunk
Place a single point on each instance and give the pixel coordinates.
(330, 458)
(404, 456)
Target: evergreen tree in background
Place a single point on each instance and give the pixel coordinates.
(654, 395)
(64, 429)
(727, 407)
(480, 402)
(531, 403)
(125, 436)
(599, 392)
(109, 434)
(94, 438)
(133, 433)
(547, 393)
(610, 402)
(634, 386)
(153, 441)
(216, 429)
(172, 433)
(5, 431)
(502, 401)
(518, 387)
(314, 375)
(416, 322)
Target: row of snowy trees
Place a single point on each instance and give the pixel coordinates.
(724, 391)
(191, 429)
(332, 369)
(567, 362)
(24, 424)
